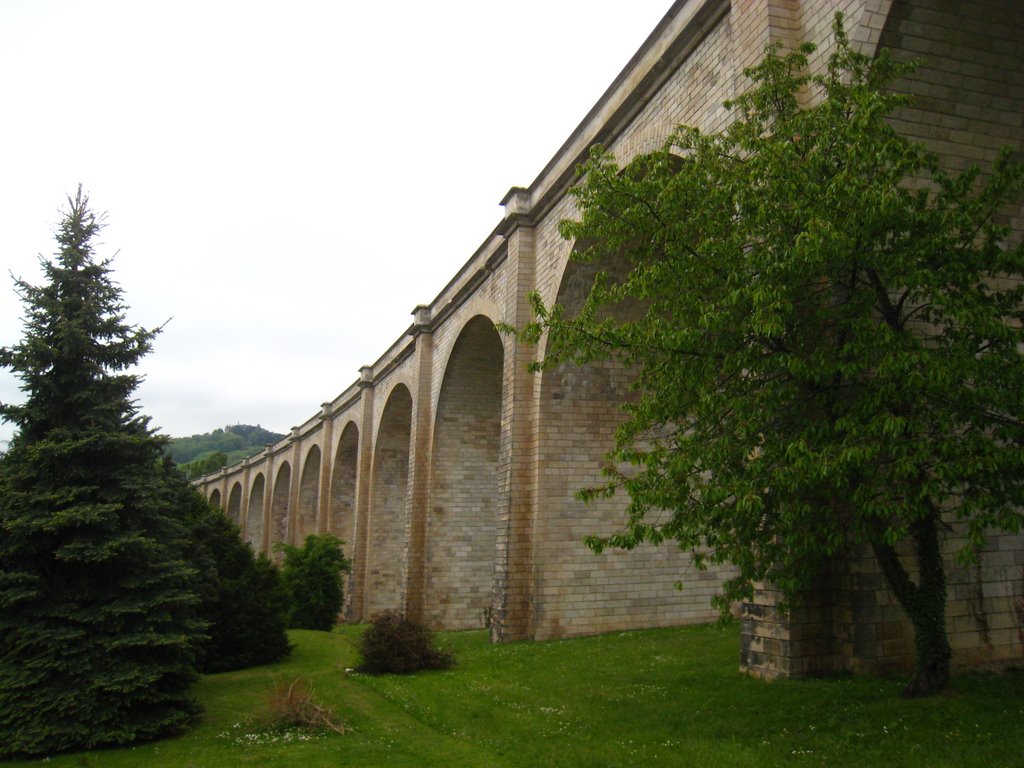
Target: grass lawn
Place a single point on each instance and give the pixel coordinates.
(651, 698)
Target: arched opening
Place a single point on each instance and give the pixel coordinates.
(279, 505)
(577, 592)
(234, 510)
(461, 526)
(343, 485)
(309, 496)
(342, 512)
(386, 530)
(254, 523)
(965, 114)
(215, 498)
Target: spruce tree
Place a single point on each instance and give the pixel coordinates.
(242, 600)
(98, 628)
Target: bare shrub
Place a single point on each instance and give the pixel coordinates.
(293, 705)
(393, 644)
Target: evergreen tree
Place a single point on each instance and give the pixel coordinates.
(241, 598)
(98, 629)
(312, 579)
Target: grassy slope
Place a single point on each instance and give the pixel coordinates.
(654, 698)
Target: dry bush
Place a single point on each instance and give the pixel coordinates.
(293, 705)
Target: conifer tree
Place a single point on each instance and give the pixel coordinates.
(98, 628)
(312, 579)
(242, 600)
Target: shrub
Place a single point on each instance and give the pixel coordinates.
(244, 603)
(293, 705)
(312, 579)
(392, 644)
(241, 598)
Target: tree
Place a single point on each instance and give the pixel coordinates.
(98, 629)
(312, 579)
(205, 464)
(826, 331)
(242, 601)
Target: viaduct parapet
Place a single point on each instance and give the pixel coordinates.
(450, 471)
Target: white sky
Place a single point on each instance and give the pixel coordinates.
(286, 180)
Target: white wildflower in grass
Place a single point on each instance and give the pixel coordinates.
(249, 734)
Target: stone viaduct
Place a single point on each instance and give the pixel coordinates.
(450, 470)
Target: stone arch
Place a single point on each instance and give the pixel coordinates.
(309, 496)
(385, 554)
(577, 592)
(342, 509)
(648, 139)
(234, 510)
(254, 524)
(279, 505)
(461, 522)
(486, 311)
(865, 35)
(964, 113)
(215, 497)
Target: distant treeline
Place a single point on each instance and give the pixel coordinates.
(201, 454)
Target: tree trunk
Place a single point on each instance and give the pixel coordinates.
(925, 604)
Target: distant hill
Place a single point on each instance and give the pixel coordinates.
(201, 454)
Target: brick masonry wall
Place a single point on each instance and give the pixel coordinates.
(234, 510)
(983, 617)
(254, 523)
(464, 490)
(693, 95)
(578, 592)
(279, 508)
(343, 485)
(969, 102)
(387, 522)
(413, 480)
(342, 509)
(853, 622)
(513, 584)
(309, 495)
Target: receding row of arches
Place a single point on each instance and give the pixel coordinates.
(459, 525)
(461, 520)
(421, 512)
(307, 522)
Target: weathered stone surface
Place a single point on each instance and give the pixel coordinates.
(450, 470)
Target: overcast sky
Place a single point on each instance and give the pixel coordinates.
(284, 181)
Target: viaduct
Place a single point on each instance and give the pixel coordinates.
(450, 470)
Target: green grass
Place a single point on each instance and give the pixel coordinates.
(652, 698)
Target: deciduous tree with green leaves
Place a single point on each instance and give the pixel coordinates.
(827, 335)
(98, 629)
